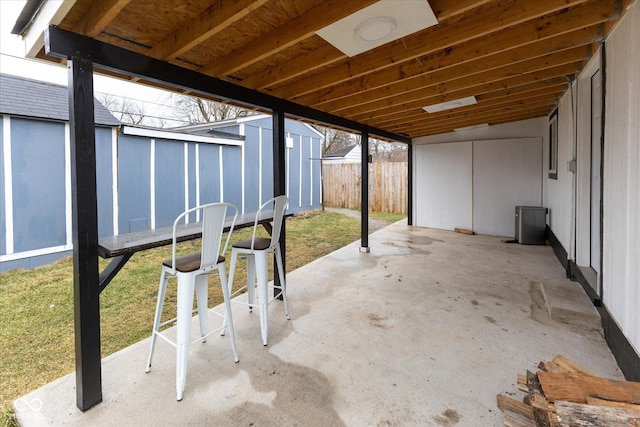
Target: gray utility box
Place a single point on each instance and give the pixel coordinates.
(531, 224)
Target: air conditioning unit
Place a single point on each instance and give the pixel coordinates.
(531, 224)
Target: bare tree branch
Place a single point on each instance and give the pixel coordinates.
(334, 140)
(192, 109)
(123, 109)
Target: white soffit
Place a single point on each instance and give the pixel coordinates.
(377, 24)
(456, 103)
(51, 13)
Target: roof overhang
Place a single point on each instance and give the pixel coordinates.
(513, 57)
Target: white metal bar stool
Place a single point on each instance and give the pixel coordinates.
(255, 250)
(192, 272)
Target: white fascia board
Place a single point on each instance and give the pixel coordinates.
(35, 252)
(314, 130)
(221, 123)
(51, 13)
(238, 120)
(179, 136)
(251, 118)
(227, 122)
(202, 126)
(247, 119)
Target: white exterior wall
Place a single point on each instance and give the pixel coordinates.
(621, 178)
(557, 195)
(506, 174)
(620, 273)
(353, 156)
(584, 153)
(444, 185)
(458, 176)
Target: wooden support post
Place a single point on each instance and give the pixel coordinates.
(85, 234)
(364, 191)
(279, 186)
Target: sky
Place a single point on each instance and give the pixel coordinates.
(12, 61)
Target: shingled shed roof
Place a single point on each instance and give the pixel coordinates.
(340, 153)
(33, 98)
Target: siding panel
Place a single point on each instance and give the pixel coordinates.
(267, 166)
(134, 193)
(191, 176)
(252, 169)
(3, 195)
(444, 185)
(104, 181)
(209, 173)
(317, 168)
(293, 169)
(621, 178)
(38, 184)
(305, 171)
(169, 178)
(231, 159)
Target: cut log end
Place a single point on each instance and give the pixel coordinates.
(564, 393)
(464, 231)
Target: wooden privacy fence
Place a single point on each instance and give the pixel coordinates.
(387, 186)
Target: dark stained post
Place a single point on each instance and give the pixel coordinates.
(279, 184)
(86, 294)
(409, 184)
(364, 192)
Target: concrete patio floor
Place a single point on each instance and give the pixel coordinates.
(426, 329)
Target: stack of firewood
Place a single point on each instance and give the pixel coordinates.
(562, 393)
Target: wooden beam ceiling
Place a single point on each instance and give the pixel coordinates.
(439, 38)
(514, 56)
(212, 21)
(280, 38)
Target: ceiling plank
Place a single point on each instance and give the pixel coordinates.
(451, 90)
(443, 9)
(491, 88)
(424, 42)
(303, 64)
(484, 111)
(575, 26)
(212, 21)
(66, 44)
(520, 114)
(532, 91)
(467, 81)
(100, 15)
(284, 36)
(473, 65)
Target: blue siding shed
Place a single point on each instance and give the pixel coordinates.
(145, 177)
(303, 172)
(35, 202)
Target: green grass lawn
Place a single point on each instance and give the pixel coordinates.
(36, 306)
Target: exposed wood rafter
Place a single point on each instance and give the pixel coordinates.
(513, 56)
